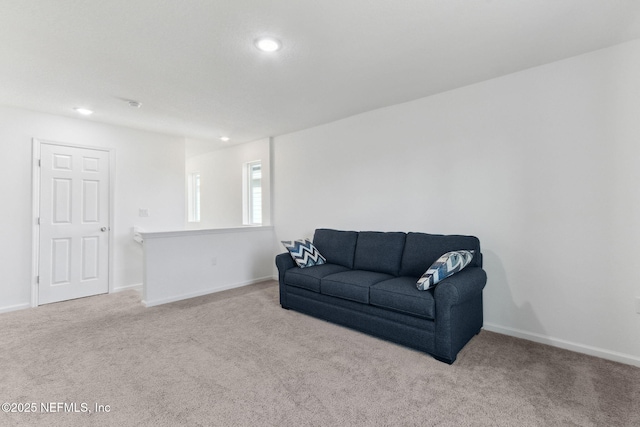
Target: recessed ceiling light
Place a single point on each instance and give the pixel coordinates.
(224, 138)
(83, 111)
(268, 44)
(134, 104)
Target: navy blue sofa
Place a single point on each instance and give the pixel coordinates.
(369, 284)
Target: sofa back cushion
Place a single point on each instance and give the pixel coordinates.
(338, 247)
(380, 252)
(421, 250)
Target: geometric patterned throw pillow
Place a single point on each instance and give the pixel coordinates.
(447, 265)
(304, 253)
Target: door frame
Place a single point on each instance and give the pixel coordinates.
(36, 145)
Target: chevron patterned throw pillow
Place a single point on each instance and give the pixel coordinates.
(447, 265)
(304, 253)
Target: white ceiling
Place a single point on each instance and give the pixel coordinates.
(193, 65)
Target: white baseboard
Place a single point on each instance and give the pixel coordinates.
(16, 307)
(567, 345)
(204, 292)
(134, 287)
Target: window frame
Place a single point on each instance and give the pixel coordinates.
(194, 181)
(250, 202)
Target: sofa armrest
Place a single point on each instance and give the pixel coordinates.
(284, 262)
(458, 300)
(460, 287)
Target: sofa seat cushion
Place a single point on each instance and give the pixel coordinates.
(309, 277)
(401, 294)
(352, 285)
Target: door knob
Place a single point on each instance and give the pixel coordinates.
(103, 229)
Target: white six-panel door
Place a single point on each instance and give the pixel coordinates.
(74, 223)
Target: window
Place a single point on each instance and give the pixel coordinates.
(193, 197)
(253, 193)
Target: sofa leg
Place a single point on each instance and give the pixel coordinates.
(444, 359)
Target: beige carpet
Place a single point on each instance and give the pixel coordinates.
(237, 359)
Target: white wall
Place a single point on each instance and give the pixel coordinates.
(149, 174)
(221, 173)
(542, 165)
(186, 264)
